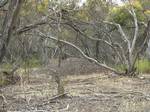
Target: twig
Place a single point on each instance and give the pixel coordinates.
(58, 96)
(54, 98)
(4, 98)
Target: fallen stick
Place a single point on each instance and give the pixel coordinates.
(58, 96)
(54, 98)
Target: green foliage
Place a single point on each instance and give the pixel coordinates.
(42, 6)
(121, 15)
(32, 62)
(27, 7)
(6, 66)
(143, 65)
(82, 15)
(2, 81)
(35, 6)
(120, 68)
(145, 3)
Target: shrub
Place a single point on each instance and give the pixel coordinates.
(143, 65)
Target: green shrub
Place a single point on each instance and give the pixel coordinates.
(6, 66)
(143, 65)
(32, 62)
(121, 15)
(28, 63)
(120, 68)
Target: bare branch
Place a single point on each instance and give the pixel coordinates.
(132, 12)
(143, 46)
(125, 38)
(122, 53)
(146, 36)
(30, 27)
(89, 37)
(110, 44)
(142, 23)
(78, 49)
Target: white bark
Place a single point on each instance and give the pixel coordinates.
(131, 56)
(110, 44)
(132, 12)
(80, 51)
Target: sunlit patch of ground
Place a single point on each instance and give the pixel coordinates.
(86, 93)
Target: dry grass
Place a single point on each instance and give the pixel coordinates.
(87, 93)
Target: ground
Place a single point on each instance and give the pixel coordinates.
(95, 92)
(88, 88)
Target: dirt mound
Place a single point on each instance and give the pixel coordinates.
(75, 66)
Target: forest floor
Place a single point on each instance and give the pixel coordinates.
(85, 93)
(88, 89)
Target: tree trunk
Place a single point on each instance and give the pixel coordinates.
(9, 25)
(97, 50)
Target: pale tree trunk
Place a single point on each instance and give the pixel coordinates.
(127, 52)
(129, 60)
(9, 25)
(60, 85)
